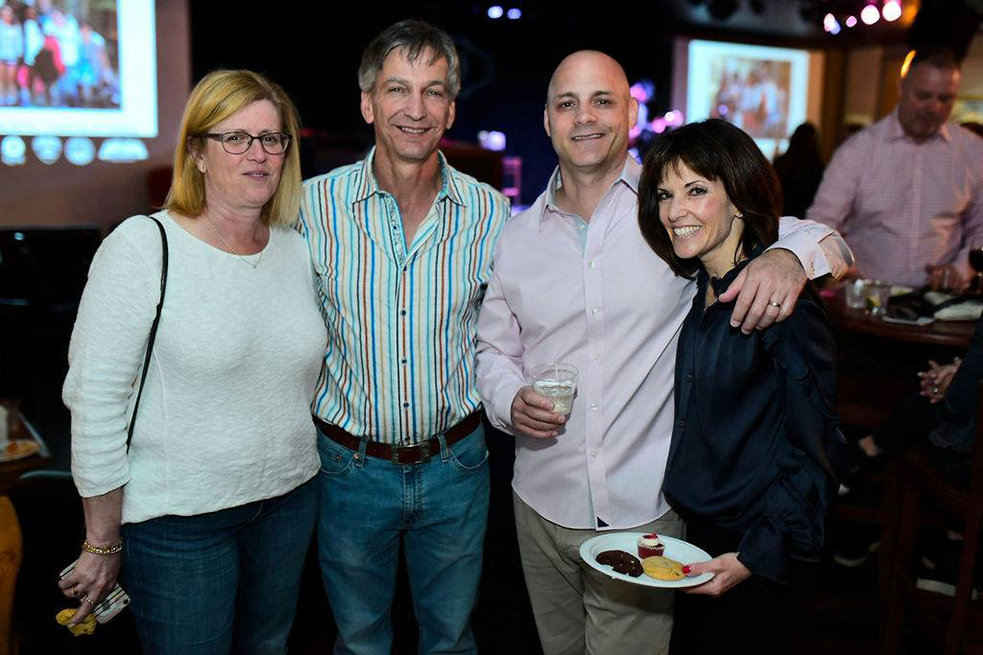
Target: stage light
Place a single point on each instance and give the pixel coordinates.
(830, 24)
(495, 11)
(850, 21)
(722, 9)
(891, 10)
(514, 13)
(907, 62)
(870, 15)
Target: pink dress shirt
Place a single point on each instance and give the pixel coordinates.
(595, 296)
(901, 204)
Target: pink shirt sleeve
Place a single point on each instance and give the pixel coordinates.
(835, 197)
(499, 356)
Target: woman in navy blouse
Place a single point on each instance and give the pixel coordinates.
(748, 469)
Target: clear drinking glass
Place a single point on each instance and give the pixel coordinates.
(558, 382)
(876, 294)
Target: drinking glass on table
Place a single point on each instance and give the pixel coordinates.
(877, 294)
(558, 382)
(976, 261)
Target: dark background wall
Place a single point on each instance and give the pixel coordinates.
(506, 64)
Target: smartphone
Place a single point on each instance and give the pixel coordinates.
(109, 606)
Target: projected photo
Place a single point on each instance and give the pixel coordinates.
(59, 54)
(78, 68)
(762, 90)
(752, 94)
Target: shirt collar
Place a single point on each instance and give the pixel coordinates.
(895, 132)
(369, 186)
(630, 174)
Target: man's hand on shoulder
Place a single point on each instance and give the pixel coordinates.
(766, 290)
(533, 415)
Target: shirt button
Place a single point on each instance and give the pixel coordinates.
(402, 312)
(402, 360)
(595, 356)
(682, 423)
(593, 454)
(689, 377)
(583, 227)
(406, 405)
(595, 311)
(593, 407)
(591, 263)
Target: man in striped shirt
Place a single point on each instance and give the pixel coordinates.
(402, 246)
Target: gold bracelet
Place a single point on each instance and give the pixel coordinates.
(111, 549)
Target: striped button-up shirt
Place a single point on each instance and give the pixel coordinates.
(401, 317)
(901, 204)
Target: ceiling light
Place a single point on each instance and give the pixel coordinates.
(870, 15)
(891, 10)
(722, 9)
(514, 13)
(830, 24)
(850, 21)
(495, 11)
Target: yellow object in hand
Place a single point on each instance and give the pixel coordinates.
(86, 627)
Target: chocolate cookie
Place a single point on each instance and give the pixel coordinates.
(621, 561)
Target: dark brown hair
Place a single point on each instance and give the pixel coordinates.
(716, 150)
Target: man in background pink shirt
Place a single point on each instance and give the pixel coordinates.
(906, 191)
(573, 281)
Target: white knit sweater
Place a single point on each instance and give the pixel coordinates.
(225, 415)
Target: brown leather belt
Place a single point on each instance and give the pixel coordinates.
(404, 455)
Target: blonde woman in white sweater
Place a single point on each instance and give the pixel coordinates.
(210, 510)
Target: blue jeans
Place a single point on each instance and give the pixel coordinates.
(439, 509)
(225, 581)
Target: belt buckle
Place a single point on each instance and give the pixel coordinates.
(423, 450)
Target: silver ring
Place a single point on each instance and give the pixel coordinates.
(88, 600)
(935, 389)
(774, 304)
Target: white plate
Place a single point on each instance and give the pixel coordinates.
(18, 449)
(677, 549)
(920, 321)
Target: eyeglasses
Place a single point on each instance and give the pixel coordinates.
(236, 143)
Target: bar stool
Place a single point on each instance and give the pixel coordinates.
(944, 617)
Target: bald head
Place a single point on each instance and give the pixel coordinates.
(588, 63)
(589, 111)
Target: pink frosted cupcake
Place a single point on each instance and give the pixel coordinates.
(650, 545)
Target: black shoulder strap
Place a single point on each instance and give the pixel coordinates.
(153, 328)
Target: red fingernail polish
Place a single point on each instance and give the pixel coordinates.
(686, 570)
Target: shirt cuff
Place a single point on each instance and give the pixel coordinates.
(500, 415)
(810, 254)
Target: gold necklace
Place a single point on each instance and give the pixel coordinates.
(234, 251)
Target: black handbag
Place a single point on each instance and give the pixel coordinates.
(153, 328)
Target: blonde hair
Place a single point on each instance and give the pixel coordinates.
(217, 96)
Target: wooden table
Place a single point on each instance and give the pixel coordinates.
(878, 361)
(11, 540)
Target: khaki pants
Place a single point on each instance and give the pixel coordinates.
(580, 610)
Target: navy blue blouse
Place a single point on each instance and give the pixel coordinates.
(754, 422)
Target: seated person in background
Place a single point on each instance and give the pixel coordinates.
(943, 417)
(907, 192)
(800, 170)
(747, 469)
(207, 514)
